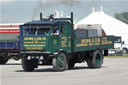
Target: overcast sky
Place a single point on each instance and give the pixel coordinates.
(20, 11)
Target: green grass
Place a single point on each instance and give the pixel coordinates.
(124, 55)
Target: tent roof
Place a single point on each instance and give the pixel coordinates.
(110, 25)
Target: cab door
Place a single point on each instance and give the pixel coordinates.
(55, 39)
(65, 39)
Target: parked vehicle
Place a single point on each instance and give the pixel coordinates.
(119, 48)
(9, 42)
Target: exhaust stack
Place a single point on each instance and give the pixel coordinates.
(41, 18)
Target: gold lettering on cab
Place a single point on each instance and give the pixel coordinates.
(33, 48)
(64, 42)
(34, 43)
(28, 38)
(35, 38)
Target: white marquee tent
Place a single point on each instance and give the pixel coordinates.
(110, 25)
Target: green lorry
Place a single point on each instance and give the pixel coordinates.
(53, 41)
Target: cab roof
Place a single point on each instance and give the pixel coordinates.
(48, 22)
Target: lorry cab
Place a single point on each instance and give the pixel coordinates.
(46, 36)
(41, 42)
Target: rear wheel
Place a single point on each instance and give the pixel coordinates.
(59, 62)
(29, 65)
(3, 57)
(96, 60)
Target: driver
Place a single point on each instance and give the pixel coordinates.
(56, 31)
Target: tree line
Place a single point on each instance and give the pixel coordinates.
(122, 17)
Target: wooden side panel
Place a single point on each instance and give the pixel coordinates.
(93, 43)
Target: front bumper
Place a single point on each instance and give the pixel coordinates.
(44, 58)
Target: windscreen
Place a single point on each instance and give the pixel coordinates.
(36, 30)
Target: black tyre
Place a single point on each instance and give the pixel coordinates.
(59, 62)
(71, 64)
(105, 52)
(16, 57)
(96, 60)
(125, 51)
(28, 65)
(3, 57)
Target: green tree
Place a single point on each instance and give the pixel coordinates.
(122, 17)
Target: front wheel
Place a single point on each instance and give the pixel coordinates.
(96, 60)
(59, 62)
(28, 65)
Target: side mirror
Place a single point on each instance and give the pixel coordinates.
(123, 42)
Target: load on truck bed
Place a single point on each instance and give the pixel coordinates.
(91, 37)
(53, 41)
(9, 42)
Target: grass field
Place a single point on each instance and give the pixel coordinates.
(124, 55)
